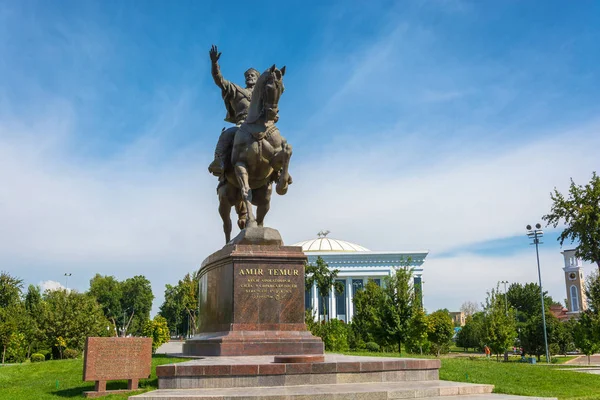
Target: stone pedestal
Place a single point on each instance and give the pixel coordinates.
(251, 300)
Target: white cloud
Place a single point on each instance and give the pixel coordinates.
(379, 201)
(50, 285)
(127, 216)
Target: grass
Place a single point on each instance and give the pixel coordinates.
(63, 378)
(516, 378)
(523, 379)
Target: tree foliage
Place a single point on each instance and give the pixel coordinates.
(471, 334)
(368, 319)
(441, 330)
(158, 330)
(592, 292)
(417, 329)
(10, 289)
(126, 304)
(72, 317)
(499, 331)
(324, 279)
(180, 307)
(398, 306)
(580, 212)
(586, 333)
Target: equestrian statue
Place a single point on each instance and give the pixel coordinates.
(252, 155)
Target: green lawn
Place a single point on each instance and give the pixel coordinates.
(52, 379)
(516, 378)
(523, 379)
(62, 378)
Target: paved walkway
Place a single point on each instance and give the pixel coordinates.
(174, 347)
(583, 361)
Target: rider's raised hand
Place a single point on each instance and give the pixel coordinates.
(214, 54)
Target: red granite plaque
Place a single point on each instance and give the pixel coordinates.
(113, 358)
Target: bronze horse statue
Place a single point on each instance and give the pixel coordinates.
(260, 156)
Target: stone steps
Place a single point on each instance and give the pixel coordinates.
(353, 391)
(489, 396)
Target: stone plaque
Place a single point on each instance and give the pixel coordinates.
(114, 358)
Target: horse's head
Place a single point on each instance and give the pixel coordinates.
(266, 94)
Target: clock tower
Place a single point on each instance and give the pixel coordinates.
(576, 301)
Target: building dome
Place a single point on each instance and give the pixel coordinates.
(323, 243)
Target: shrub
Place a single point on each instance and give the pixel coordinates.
(46, 353)
(70, 353)
(158, 330)
(554, 349)
(37, 357)
(335, 335)
(372, 346)
(16, 350)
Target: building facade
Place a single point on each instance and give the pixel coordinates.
(357, 265)
(574, 282)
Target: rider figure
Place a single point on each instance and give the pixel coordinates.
(237, 101)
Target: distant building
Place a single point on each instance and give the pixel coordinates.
(560, 312)
(574, 282)
(458, 317)
(357, 265)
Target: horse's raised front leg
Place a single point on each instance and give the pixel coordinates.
(241, 173)
(284, 178)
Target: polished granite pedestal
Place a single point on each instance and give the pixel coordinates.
(251, 300)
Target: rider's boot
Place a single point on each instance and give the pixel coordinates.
(223, 150)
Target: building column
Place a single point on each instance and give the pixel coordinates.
(315, 301)
(332, 305)
(349, 298)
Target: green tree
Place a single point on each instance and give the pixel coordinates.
(32, 319)
(158, 330)
(417, 329)
(526, 300)
(499, 329)
(532, 334)
(398, 306)
(11, 311)
(108, 292)
(172, 310)
(441, 330)
(137, 303)
(324, 279)
(592, 292)
(126, 304)
(471, 334)
(73, 317)
(180, 307)
(586, 334)
(10, 317)
(367, 321)
(10, 289)
(580, 212)
(563, 336)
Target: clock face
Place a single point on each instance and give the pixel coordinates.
(572, 276)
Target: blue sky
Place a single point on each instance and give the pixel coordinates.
(439, 125)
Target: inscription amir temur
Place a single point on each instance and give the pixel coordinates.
(260, 283)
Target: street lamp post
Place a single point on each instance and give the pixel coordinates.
(67, 280)
(535, 235)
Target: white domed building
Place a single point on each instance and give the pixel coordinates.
(357, 265)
